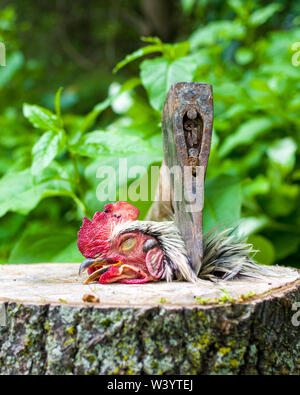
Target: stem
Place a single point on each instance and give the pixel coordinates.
(77, 174)
(80, 204)
(79, 200)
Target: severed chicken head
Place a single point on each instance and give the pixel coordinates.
(119, 248)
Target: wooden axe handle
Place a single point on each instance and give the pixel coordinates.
(187, 121)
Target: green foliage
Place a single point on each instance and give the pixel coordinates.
(49, 157)
(245, 134)
(51, 245)
(21, 193)
(41, 118)
(265, 250)
(222, 202)
(159, 74)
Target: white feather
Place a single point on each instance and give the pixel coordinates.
(170, 242)
(224, 256)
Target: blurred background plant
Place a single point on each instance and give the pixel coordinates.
(53, 140)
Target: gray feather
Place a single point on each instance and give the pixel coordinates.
(177, 264)
(225, 257)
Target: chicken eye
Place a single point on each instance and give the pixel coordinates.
(128, 244)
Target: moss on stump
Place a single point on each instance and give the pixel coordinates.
(252, 334)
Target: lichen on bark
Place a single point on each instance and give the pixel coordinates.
(254, 337)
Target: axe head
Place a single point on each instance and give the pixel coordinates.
(187, 121)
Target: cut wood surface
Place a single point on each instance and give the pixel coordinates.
(228, 327)
(57, 282)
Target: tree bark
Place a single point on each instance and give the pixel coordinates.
(154, 328)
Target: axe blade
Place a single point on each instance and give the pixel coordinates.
(187, 121)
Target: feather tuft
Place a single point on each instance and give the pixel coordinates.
(227, 257)
(177, 264)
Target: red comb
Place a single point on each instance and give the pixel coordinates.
(93, 235)
(126, 210)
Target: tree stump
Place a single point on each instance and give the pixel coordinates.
(238, 327)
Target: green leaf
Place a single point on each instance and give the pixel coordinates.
(169, 51)
(13, 64)
(260, 85)
(245, 134)
(11, 226)
(57, 101)
(266, 251)
(187, 6)
(239, 7)
(176, 51)
(286, 243)
(261, 16)
(250, 225)
(214, 31)
(144, 160)
(90, 118)
(41, 118)
(154, 75)
(130, 84)
(244, 56)
(49, 245)
(222, 202)
(97, 110)
(282, 201)
(260, 185)
(151, 40)
(158, 75)
(69, 254)
(122, 101)
(20, 193)
(46, 149)
(158, 47)
(102, 143)
(283, 153)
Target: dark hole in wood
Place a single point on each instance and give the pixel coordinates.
(193, 129)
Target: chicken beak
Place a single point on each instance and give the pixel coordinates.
(85, 265)
(100, 265)
(96, 275)
(90, 262)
